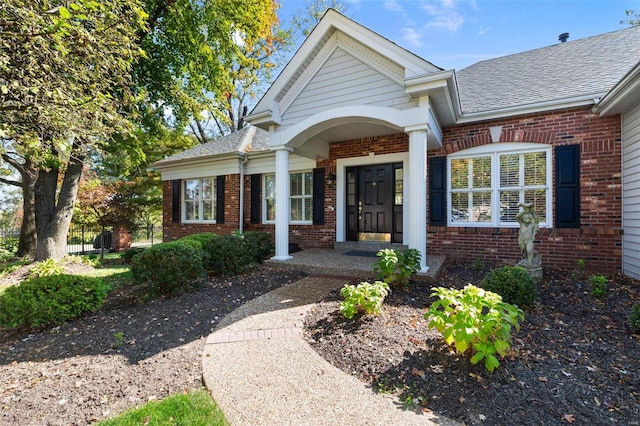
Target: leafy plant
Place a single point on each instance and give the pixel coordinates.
(50, 300)
(168, 268)
(228, 255)
(598, 285)
(118, 339)
(397, 267)
(579, 272)
(46, 268)
(634, 318)
(128, 255)
(364, 298)
(478, 265)
(260, 244)
(475, 320)
(513, 283)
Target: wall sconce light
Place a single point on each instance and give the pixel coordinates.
(331, 179)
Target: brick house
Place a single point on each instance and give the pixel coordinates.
(359, 140)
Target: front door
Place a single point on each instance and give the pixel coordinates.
(374, 203)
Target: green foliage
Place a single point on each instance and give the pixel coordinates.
(228, 255)
(513, 283)
(195, 408)
(598, 285)
(202, 238)
(634, 318)
(50, 300)
(168, 268)
(118, 339)
(46, 268)
(478, 265)
(365, 298)
(475, 320)
(9, 244)
(260, 244)
(6, 255)
(397, 267)
(579, 272)
(128, 255)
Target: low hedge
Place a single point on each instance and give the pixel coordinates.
(259, 244)
(50, 300)
(228, 255)
(168, 268)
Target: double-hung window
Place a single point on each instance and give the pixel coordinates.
(488, 183)
(300, 197)
(198, 200)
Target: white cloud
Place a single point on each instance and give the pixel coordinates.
(444, 15)
(412, 37)
(393, 5)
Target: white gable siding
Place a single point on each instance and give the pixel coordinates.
(343, 81)
(631, 192)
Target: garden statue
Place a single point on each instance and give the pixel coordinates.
(528, 220)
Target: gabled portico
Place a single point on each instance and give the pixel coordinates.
(345, 83)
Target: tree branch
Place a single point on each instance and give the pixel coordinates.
(11, 182)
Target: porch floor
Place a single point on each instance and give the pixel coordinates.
(337, 263)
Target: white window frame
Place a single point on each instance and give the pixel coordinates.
(199, 200)
(494, 151)
(291, 197)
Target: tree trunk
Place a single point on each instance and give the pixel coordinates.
(53, 214)
(28, 237)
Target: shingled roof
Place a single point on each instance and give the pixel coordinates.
(583, 68)
(246, 140)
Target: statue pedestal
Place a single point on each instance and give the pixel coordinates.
(534, 270)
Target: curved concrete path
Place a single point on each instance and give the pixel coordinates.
(261, 371)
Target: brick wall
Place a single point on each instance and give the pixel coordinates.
(598, 241)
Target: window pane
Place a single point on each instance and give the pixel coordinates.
(269, 186)
(308, 209)
(509, 201)
(207, 210)
(191, 210)
(459, 174)
(509, 170)
(399, 187)
(460, 207)
(351, 189)
(535, 168)
(296, 184)
(539, 199)
(482, 172)
(481, 210)
(296, 209)
(207, 189)
(308, 183)
(271, 209)
(191, 189)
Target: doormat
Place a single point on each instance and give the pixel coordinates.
(360, 253)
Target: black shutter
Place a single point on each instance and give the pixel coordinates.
(220, 199)
(175, 201)
(318, 196)
(255, 198)
(438, 191)
(567, 186)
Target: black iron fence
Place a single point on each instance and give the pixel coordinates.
(88, 240)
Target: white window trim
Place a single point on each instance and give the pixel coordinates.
(264, 199)
(183, 191)
(494, 151)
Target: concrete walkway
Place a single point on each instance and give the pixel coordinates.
(261, 371)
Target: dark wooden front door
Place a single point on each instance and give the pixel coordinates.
(374, 210)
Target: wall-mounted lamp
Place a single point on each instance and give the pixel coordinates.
(331, 179)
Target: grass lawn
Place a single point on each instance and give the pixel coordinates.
(194, 409)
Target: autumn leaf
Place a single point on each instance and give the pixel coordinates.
(568, 418)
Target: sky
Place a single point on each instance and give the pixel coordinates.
(453, 34)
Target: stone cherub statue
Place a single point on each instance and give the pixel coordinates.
(528, 220)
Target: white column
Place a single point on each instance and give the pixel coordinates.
(282, 204)
(417, 206)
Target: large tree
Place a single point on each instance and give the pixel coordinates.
(64, 85)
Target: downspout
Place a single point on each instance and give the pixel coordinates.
(241, 215)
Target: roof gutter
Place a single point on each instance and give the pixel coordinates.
(241, 213)
(579, 101)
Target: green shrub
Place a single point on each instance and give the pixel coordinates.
(203, 238)
(228, 255)
(513, 283)
(128, 255)
(50, 300)
(397, 267)
(364, 298)
(260, 244)
(634, 318)
(598, 285)
(168, 268)
(46, 268)
(9, 244)
(475, 320)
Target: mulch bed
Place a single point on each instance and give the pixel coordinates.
(122, 356)
(575, 360)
